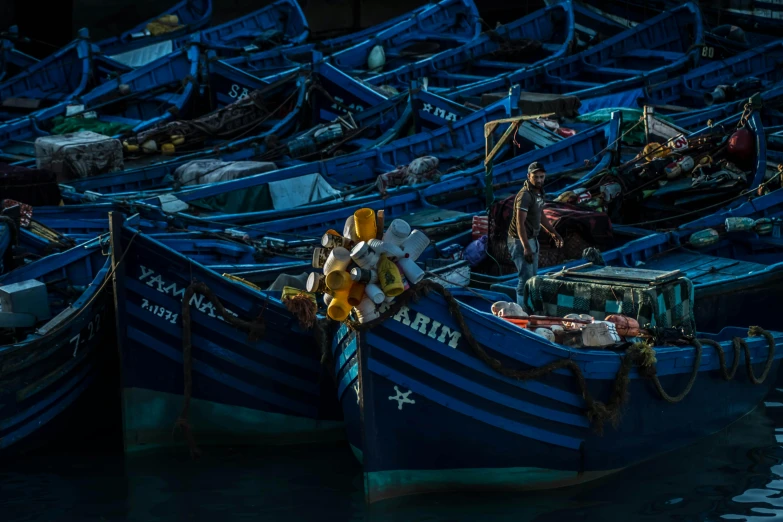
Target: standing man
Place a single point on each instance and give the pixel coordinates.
(527, 219)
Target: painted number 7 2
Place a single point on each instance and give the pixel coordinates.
(88, 331)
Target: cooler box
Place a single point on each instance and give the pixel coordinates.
(652, 297)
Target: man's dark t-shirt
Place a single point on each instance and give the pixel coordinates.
(531, 200)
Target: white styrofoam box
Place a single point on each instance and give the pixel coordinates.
(26, 297)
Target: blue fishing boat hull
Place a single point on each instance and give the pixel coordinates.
(192, 15)
(60, 77)
(46, 375)
(280, 23)
(244, 391)
(435, 417)
(606, 74)
(13, 61)
(157, 91)
(487, 55)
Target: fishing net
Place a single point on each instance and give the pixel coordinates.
(63, 125)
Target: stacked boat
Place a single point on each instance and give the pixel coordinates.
(292, 240)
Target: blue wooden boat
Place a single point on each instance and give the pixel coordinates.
(452, 201)
(280, 23)
(736, 281)
(59, 228)
(680, 199)
(446, 25)
(286, 57)
(300, 147)
(266, 387)
(540, 37)
(12, 60)
(458, 147)
(139, 98)
(721, 41)
(61, 76)
(462, 144)
(139, 45)
(422, 388)
(606, 74)
(7, 238)
(701, 87)
(153, 95)
(50, 361)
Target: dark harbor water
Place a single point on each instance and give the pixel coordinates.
(734, 475)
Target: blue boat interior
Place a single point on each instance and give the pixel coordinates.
(71, 278)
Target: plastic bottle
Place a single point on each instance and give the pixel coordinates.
(356, 294)
(397, 232)
(339, 259)
(333, 239)
(676, 168)
(365, 226)
(364, 275)
(476, 251)
(415, 244)
(412, 272)
(375, 293)
(390, 277)
(339, 308)
(339, 280)
(316, 283)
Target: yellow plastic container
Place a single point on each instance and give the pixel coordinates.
(339, 308)
(356, 294)
(364, 219)
(339, 280)
(389, 277)
(289, 291)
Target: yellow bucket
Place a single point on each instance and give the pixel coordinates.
(289, 291)
(389, 277)
(364, 219)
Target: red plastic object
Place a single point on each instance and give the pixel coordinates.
(480, 227)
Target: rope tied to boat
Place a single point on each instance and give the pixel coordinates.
(302, 308)
(640, 355)
(255, 330)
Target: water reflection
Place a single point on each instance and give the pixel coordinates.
(734, 475)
